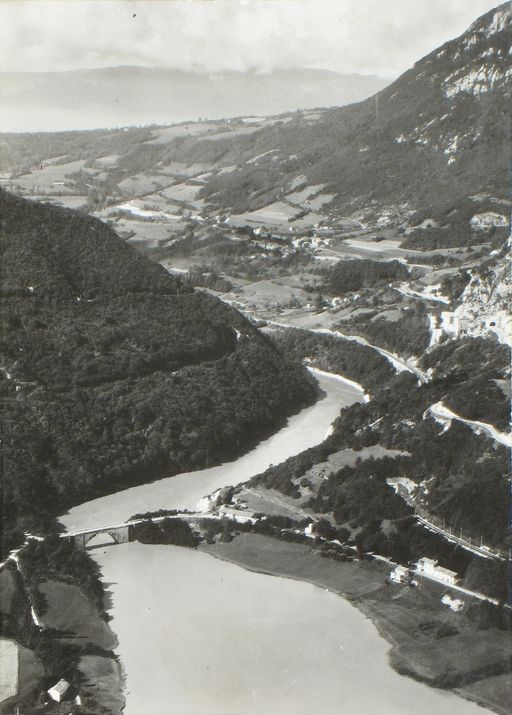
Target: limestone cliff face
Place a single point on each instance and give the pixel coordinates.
(486, 300)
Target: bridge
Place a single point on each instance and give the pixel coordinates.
(125, 532)
(120, 533)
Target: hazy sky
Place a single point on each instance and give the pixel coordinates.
(371, 36)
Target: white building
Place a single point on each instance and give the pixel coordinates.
(452, 324)
(59, 690)
(400, 574)
(488, 220)
(426, 565)
(402, 483)
(430, 568)
(456, 604)
(232, 513)
(309, 529)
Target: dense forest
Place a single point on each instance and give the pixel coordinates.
(342, 357)
(355, 275)
(113, 373)
(408, 335)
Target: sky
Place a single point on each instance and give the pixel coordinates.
(382, 37)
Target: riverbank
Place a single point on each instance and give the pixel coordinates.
(428, 642)
(77, 622)
(59, 632)
(220, 640)
(139, 616)
(184, 491)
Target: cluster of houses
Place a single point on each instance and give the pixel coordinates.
(456, 325)
(453, 324)
(448, 323)
(488, 220)
(425, 567)
(430, 569)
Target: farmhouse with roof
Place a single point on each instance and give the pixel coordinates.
(431, 569)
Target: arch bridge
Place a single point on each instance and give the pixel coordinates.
(120, 533)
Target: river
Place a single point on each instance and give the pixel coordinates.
(184, 491)
(200, 636)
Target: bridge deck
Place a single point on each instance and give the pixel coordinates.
(133, 522)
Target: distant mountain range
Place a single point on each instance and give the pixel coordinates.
(439, 132)
(436, 140)
(127, 96)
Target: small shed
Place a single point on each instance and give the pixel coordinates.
(59, 691)
(456, 604)
(309, 529)
(400, 574)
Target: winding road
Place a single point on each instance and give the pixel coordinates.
(399, 364)
(444, 414)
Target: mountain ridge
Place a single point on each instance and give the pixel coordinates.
(418, 140)
(132, 95)
(433, 143)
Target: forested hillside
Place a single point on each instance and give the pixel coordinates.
(455, 475)
(113, 373)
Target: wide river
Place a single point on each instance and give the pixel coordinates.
(200, 636)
